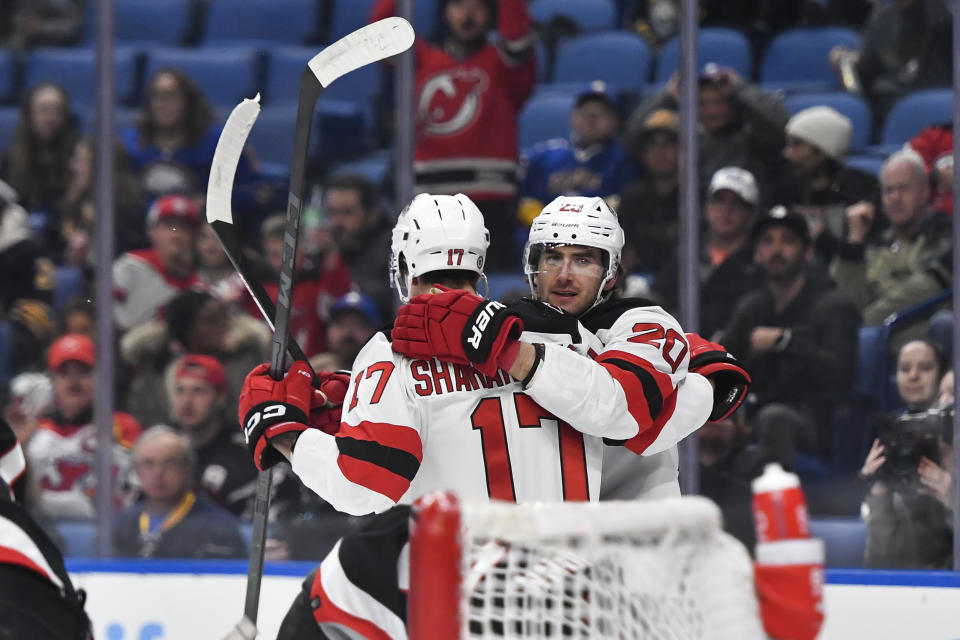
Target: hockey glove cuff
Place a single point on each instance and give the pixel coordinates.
(730, 380)
(269, 408)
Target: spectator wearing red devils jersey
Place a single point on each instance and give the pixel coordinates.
(468, 94)
(37, 598)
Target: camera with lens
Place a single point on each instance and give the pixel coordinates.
(911, 437)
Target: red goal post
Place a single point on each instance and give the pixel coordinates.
(657, 569)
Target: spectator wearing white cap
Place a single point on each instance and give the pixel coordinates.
(818, 183)
(726, 258)
(145, 280)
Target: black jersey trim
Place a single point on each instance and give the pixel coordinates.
(398, 461)
(650, 389)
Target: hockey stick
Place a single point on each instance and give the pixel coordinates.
(220, 213)
(365, 46)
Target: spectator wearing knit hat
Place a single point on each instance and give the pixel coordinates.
(193, 322)
(145, 280)
(61, 454)
(818, 184)
(726, 257)
(649, 204)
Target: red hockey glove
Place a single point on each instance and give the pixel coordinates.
(730, 380)
(458, 326)
(271, 407)
(333, 386)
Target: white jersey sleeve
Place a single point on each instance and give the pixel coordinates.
(369, 464)
(631, 387)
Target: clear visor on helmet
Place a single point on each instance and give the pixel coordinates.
(574, 259)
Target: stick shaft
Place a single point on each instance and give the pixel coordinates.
(310, 89)
(261, 514)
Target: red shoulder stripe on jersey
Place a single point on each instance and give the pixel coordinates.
(329, 613)
(394, 436)
(639, 443)
(372, 476)
(12, 556)
(644, 387)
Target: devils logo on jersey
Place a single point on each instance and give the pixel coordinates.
(450, 100)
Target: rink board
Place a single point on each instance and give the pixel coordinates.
(166, 600)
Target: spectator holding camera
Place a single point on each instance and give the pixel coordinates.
(907, 508)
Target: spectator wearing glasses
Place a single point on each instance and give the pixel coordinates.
(171, 520)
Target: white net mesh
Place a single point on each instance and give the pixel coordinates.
(625, 570)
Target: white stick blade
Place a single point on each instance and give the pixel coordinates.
(226, 157)
(364, 46)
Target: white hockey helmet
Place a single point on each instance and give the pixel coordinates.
(437, 233)
(575, 220)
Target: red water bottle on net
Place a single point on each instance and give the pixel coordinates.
(779, 508)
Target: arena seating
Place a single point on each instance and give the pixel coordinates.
(725, 47)
(588, 15)
(796, 60)
(152, 22)
(264, 22)
(621, 58)
(75, 70)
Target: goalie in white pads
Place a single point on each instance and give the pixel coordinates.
(471, 424)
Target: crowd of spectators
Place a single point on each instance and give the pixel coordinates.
(799, 251)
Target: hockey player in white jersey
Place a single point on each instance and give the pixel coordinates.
(633, 387)
(412, 425)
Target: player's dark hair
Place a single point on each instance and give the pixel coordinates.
(365, 190)
(453, 278)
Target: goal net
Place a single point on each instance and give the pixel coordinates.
(625, 570)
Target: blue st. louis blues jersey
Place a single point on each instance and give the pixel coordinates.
(557, 167)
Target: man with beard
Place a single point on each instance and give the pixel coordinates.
(361, 234)
(469, 90)
(796, 334)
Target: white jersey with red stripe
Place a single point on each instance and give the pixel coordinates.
(413, 426)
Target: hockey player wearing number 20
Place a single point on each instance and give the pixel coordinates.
(640, 384)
